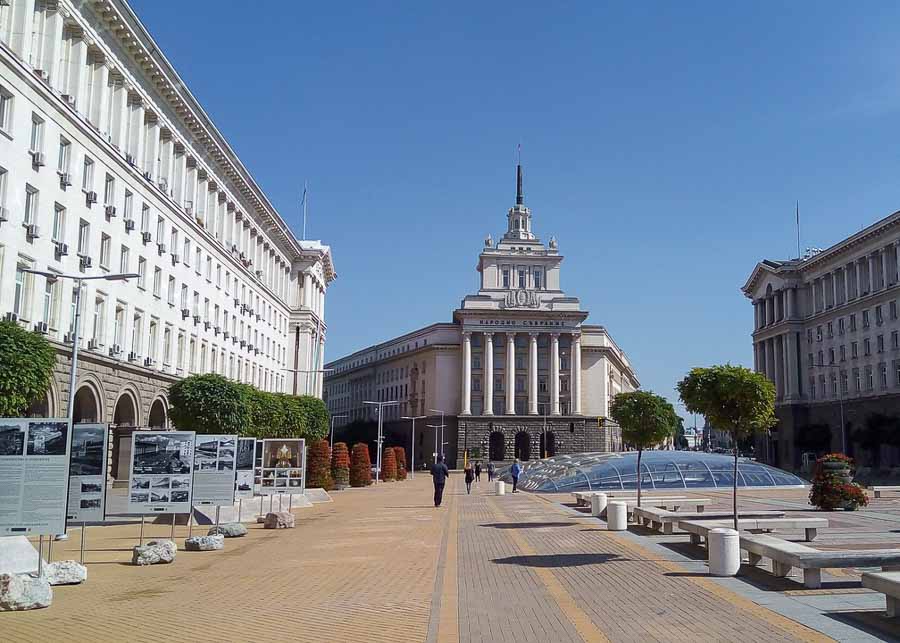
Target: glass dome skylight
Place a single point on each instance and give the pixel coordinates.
(660, 470)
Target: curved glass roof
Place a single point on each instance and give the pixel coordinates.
(660, 470)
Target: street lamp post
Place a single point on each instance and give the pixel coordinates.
(412, 442)
(332, 427)
(442, 429)
(76, 329)
(840, 388)
(380, 406)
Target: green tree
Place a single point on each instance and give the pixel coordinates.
(733, 399)
(646, 420)
(316, 417)
(26, 366)
(211, 404)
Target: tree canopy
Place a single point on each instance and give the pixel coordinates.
(646, 419)
(26, 366)
(733, 398)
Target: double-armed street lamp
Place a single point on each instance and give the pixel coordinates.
(441, 427)
(79, 280)
(412, 442)
(380, 411)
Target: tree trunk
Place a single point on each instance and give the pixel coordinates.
(640, 451)
(735, 485)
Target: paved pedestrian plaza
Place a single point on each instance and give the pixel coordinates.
(382, 564)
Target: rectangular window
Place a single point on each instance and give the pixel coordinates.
(198, 261)
(84, 234)
(171, 292)
(186, 254)
(809, 335)
(167, 346)
(160, 229)
(184, 296)
(830, 329)
(105, 243)
(22, 291)
(843, 353)
(884, 383)
(99, 319)
(895, 339)
(142, 272)
(506, 278)
(6, 102)
(856, 380)
(87, 175)
(62, 161)
(841, 326)
(853, 321)
(831, 356)
(218, 275)
(31, 205)
(537, 279)
(145, 217)
(854, 349)
(879, 316)
(227, 282)
(521, 278)
(151, 347)
(818, 333)
(59, 223)
(137, 333)
(129, 204)
(880, 343)
(49, 287)
(124, 259)
(865, 318)
(109, 190)
(37, 133)
(867, 347)
(208, 268)
(870, 384)
(893, 310)
(157, 282)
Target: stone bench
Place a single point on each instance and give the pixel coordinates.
(664, 520)
(786, 555)
(888, 583)
(584, 497)
(880, 489)
(699, 529)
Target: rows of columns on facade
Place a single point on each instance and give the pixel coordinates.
(509, 371)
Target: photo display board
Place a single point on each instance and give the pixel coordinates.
(214, 460)
(87, 473)
(283, 465)
(161, 472)
(34, 476)
(243, 465)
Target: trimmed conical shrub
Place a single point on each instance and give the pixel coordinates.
(360, 466)
(318, 468)
(340, 465)
(400, 456)
(388, 464)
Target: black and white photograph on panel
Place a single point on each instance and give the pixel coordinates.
(34, 476)
(91, 487)
(90, 503)
(214, 485)
(47, 438)
(12, 439)
(161, 466)
(163, 452)
(88, 450)
(244, 458)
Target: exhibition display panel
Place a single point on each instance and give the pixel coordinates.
(243, 465)
(161, 472)
(214, 469)
(283, 466)
(87, 473)
(34, 475)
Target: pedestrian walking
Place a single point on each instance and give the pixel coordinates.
(514, 471)
(470, 476)
(478, 471)
(439, 474)
(490, 471)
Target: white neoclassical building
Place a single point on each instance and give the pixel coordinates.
(826, 332)
(517, 373)
(109, 164)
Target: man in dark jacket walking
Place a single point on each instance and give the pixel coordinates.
(439, 474)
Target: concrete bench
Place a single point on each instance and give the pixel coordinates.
(699, 529)
(888, 583)
(786, 555)
(672, 504)
(879, 490)
(664, 520)
(584, 497)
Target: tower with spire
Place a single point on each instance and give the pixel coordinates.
(519, 217)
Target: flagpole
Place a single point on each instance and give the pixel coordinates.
(305, 198)
(799, 255)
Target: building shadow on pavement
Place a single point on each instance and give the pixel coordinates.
(557, 560)
(873, 622)
(527, 525)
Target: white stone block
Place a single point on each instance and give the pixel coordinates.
(617, 516)
(724, 552)
(229, 530)
(65, 572)
(598, 504)
(204, 543)
(24, 592)
(154, 552)
(501, 488)
(279, 520)
(17, 555)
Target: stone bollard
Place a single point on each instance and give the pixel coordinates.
(724, 552)
(501, 488)
(617, 516)
(598, 504)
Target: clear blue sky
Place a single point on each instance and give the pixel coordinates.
(664, 146)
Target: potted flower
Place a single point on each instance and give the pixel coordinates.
(832, 486)
(837, 465)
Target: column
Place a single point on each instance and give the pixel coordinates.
(576, 373)
(779, 366)
(779, 306)
(488, 374)
(756, 320)
(320, 377)
(846, 284)
(467, 374)
(554, 373)
(307, 290)
(834, 288)
(770, 359)
(770, 310)
(871, 261)
(884, 268)
(897, 258)
(510, 373)
(322, 303)
(789, 303)
(857, 267)
(792, 366)
(532, 374)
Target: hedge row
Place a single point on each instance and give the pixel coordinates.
(215, 404)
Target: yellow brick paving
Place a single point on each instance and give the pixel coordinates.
(364, 568)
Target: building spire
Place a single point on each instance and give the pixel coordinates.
(520, 196)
